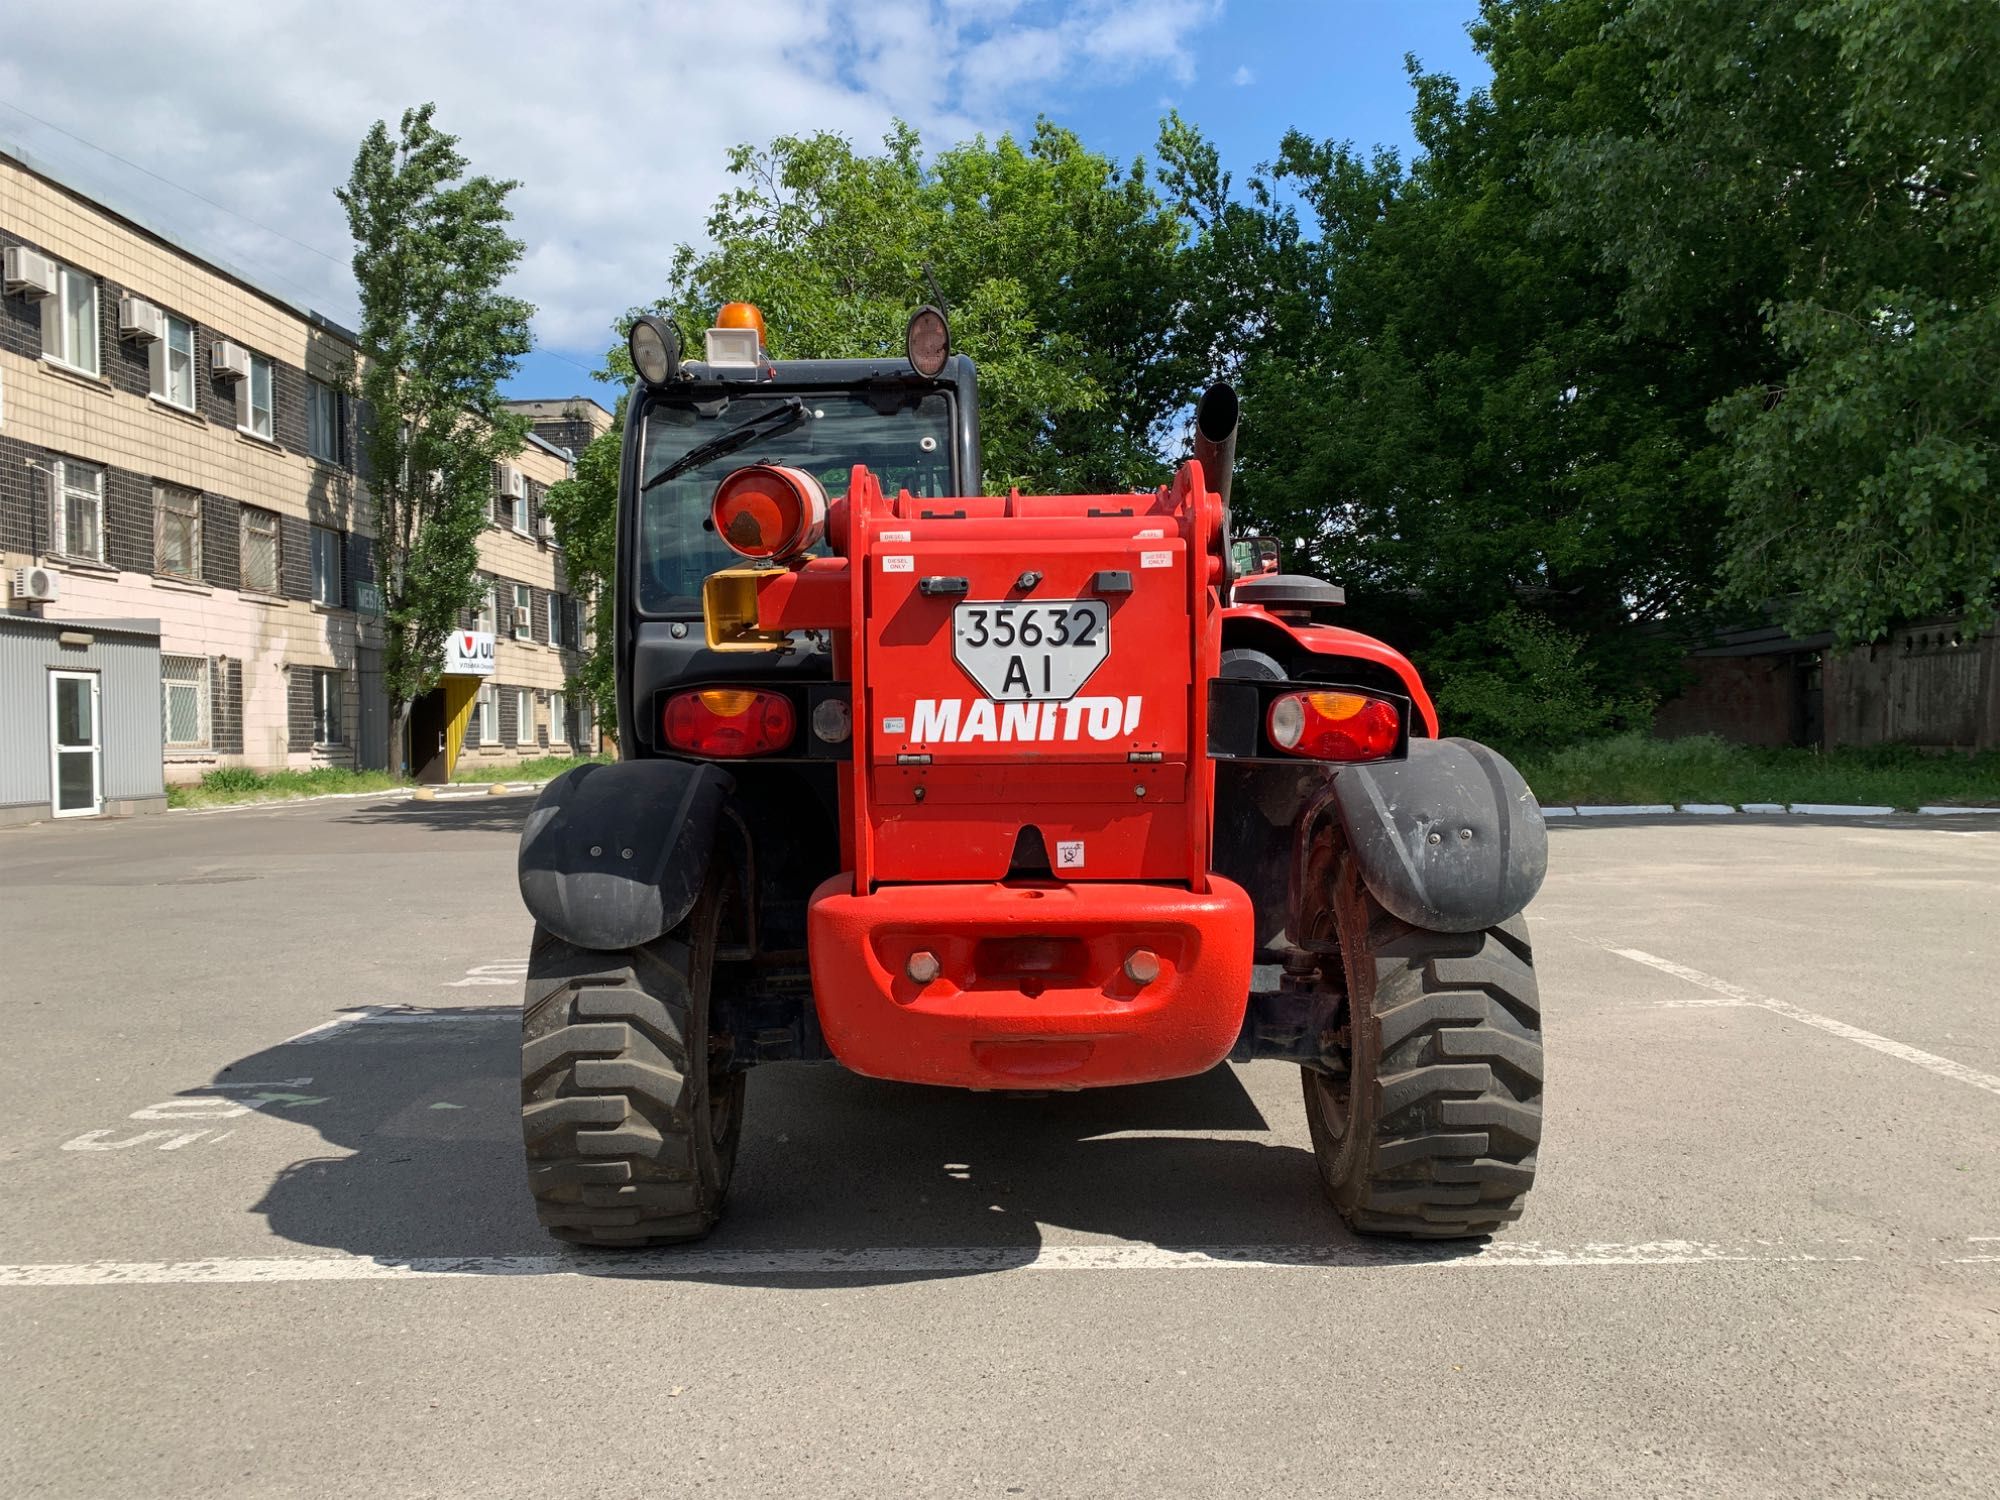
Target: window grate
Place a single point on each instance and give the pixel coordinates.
(184, 707)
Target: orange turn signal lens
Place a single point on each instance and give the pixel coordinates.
(769, 512)
(1334, 726)
(729, 722)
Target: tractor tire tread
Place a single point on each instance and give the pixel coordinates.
(1456, 1109)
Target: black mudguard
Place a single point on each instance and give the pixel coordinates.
(614, 856)
(1450, 839)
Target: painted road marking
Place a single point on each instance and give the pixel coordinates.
(1736, 994)
(514, 972)
(211, 1105)
(953, 1259)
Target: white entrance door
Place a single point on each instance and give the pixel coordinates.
(76, 748)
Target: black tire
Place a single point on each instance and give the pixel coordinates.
(1430, 1130)
(629, 1124)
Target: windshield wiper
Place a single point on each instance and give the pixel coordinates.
(783, 417)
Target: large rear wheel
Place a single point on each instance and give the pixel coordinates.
(1427, 1112)
(629, 1117)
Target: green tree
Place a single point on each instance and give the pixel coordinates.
(1444, 409)
(431, 249)
(1060, 271)
(1815, 171)
(585, 510)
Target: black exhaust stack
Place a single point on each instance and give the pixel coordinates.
(1215, 437)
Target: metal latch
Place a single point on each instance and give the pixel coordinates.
(938, 584)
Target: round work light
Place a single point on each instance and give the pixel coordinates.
(656, 349)
(928, 342)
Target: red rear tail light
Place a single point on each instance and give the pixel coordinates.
(1334, 726)
(729, 721)
(768, 511)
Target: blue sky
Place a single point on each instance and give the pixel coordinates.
(231, 136)
(1260, 67)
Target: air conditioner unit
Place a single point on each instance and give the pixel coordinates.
(36, 585)
(513, 482)
(139, 319)
(548, 528)
(524, 623)
(230, 359)
(30, 272)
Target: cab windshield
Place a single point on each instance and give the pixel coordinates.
(903, 436)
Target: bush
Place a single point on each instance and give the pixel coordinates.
(1635, 768)
(1520, 682)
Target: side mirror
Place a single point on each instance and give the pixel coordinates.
(1253, 556)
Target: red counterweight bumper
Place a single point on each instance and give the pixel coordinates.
(1035, 985)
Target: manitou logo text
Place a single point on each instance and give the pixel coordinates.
(950, 721)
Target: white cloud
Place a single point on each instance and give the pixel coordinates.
(615, 119)
(1243, 77)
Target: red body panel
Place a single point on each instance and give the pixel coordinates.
(1074, 1021)
(951, 769)
(1335, 640)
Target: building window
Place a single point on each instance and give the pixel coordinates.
(253, 399)
(328, 687)
(173, 364)
(558, 616)
(485, 726)
(69, 321)
(178, 531)
(79, 509)
(326, 437)
(260, 550)
(524, 716)
(326, 547)
(184, 701)
(558, 720)
(524, 612)
(482, 617)
(583, 725)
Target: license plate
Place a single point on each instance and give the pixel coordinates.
(1029, 652)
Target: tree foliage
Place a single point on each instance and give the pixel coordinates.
(1815, 170)
(431, 249)
(1694, 308)
(1448, 413)
(1058, 268)
(585, 509)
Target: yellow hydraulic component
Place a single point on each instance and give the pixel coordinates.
(729, 611)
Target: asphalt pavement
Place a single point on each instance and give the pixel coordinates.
(264, 1230)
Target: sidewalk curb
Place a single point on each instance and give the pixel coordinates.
(456, 792)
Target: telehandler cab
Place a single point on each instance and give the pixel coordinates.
(1008, 792)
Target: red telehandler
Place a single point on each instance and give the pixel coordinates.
(1007, 792)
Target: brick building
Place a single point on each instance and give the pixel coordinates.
(176, 445)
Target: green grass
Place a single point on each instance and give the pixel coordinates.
(543, 768)
(1631, 768)
(241, 784)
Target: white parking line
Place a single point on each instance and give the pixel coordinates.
(937, 1260)
(1737, 994)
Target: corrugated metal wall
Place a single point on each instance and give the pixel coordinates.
(126, 657)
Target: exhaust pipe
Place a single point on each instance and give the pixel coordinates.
(1215, 437)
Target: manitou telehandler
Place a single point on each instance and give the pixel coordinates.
(1007, 792)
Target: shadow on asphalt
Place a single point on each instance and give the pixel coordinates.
(422, 1119)
(503, 814)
